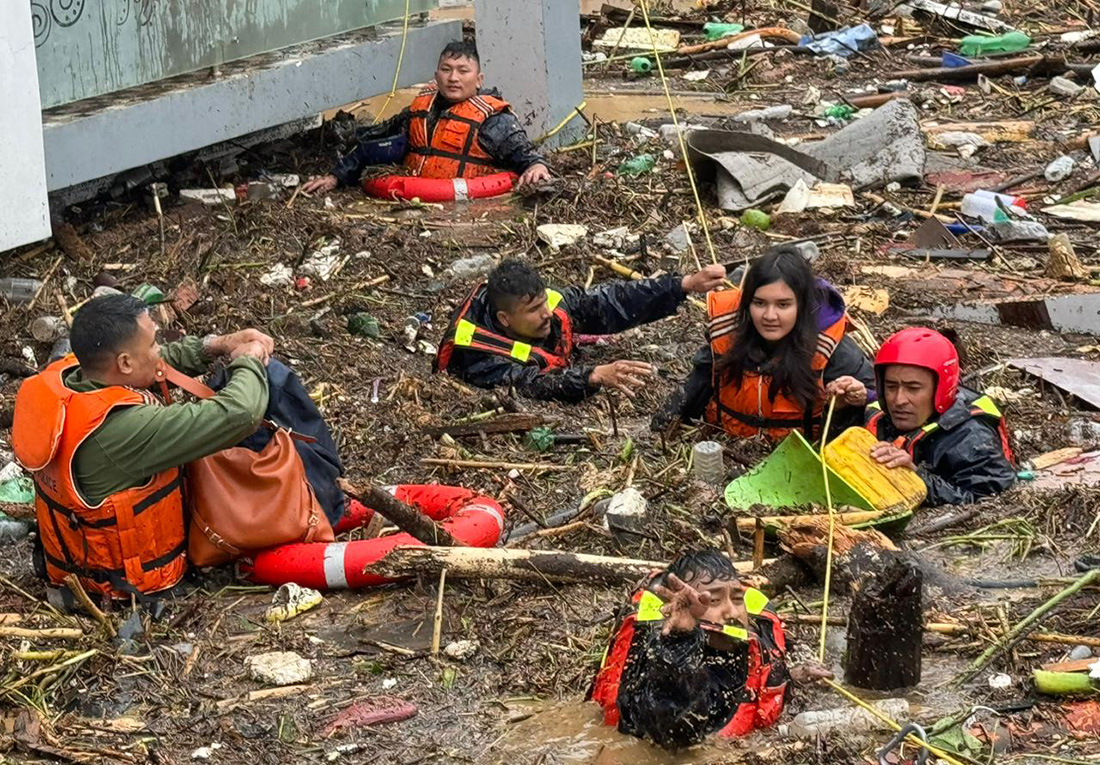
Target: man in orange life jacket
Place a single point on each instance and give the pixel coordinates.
(513, 331)
(106, 453)
(953, 437)
(454, 129)
(696, 653)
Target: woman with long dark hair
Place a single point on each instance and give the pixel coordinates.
(774, 357)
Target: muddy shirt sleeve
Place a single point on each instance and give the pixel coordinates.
(138, 442)
(489, 371)
(504, 139)
(689, 402)
(672, 694)
(350, 167)
(966, 465)
(186, 355)
(618, 306)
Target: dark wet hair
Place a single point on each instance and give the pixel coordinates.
(103, 326)
(789, 362)
(705, 564)
(511, 282)
(461, 49)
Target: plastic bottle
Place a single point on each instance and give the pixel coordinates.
(47, 329)
(840, 111)
(829, 721)
(715, 30)
(639, 165)
(706, 462)
(978, 45)
(19, 290)
(983, 204)
(641, 65)
(149, 293)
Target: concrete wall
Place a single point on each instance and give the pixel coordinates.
(531, 50)
(24, 212)
(250, 95)
(87, 48)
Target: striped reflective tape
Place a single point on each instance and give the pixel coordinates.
(494, 512)
(335, 574)
(462, 190)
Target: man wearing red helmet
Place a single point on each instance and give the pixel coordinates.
(954, 438)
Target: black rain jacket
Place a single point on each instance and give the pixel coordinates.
(603, 310)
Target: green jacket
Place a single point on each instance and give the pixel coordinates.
(136, 442)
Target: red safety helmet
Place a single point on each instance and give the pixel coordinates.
(920, 347)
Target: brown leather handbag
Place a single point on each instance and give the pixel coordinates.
(240, 500)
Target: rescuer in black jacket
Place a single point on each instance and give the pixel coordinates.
(513, 331)
(954, 438)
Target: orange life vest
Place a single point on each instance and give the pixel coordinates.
(767, 694)
(131, 542)
(464, 333)
(747, 409)
(983, 407)
(450, 148)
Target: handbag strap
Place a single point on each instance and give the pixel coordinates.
(197, 388)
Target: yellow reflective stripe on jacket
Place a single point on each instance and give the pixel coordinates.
(739, 633)
(649, 608)
(985, 403)
(521, 351)
(464, 332)
(553, 297)
(755, 601)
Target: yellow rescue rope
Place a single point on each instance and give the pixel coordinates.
(397, 72)
(644, 6)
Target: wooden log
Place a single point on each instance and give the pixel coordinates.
(1006, 131)
(884, 628)
(407, 517)
(965, 73)
(71, 243)
(504, 423)
(520, 565)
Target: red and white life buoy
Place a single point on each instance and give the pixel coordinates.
(439, 189)
(474, 520)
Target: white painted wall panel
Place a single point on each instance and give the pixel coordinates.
(24, 210)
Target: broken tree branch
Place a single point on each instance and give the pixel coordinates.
(406, 517)
(963, 73)
(504, 423)
(521, 565)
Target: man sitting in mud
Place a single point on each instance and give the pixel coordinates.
(696, 653)
(453, 129)
(106, 453)
(954, 438)
(513, 331)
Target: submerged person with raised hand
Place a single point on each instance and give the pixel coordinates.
(697, 652)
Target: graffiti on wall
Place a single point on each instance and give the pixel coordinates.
(46, 14)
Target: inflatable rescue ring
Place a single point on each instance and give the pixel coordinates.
(439, 189)
(472, 519)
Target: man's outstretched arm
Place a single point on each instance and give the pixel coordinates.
(618, 306)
